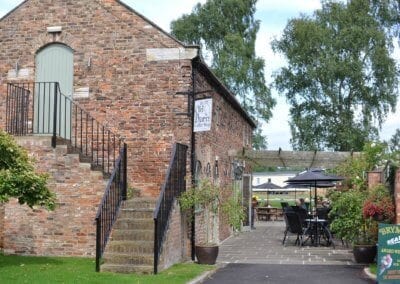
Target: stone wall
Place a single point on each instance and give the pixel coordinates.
(69, 230)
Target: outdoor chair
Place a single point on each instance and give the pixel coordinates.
(294, 226)
(323, 212)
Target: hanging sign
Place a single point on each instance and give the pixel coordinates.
(202, 115)
(388, 260)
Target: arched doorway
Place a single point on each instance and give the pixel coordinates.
(54, 63)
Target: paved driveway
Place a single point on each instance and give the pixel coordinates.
(259, 257)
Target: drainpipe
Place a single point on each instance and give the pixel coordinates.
(192, 158)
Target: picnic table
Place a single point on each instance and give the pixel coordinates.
(268, 213)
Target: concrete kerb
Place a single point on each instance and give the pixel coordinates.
(207, 274)
(367, 271)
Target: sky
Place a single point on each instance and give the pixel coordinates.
(273, 15)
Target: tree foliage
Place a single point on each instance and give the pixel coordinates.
(18, 179)
(226, 30)
(394, 142)
(341, 80)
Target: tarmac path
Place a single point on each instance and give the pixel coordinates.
(258, 256)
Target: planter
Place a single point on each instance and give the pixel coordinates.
(207, 254)
(378, 217)
(364, 253)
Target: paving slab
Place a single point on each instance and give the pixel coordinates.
(264, 246)
(258, 256)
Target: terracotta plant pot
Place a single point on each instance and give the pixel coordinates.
(364, 253)
(207, 254)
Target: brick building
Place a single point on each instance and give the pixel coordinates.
(120, 73)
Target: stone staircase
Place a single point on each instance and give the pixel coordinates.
(130, 248)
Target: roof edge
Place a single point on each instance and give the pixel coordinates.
(129, 8)
(15, 8)
(205, 70)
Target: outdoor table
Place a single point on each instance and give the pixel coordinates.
(265, 213)
(317, 228)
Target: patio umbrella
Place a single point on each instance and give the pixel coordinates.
(297, 186)
(268, 186)
(316, 178)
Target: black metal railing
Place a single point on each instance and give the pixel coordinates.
(41, 108)
(116, 191)
(174, 185)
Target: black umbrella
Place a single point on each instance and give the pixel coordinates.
(267, 185)
(297, 186)
(316, 178)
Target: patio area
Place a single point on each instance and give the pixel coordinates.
(264, 246)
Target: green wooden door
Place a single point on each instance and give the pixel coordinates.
(54, 63)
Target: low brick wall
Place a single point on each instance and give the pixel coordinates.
(69, 230)
(176, 248)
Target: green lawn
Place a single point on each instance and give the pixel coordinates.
(28, 269)
(275, 199)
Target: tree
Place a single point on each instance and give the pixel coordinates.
(394, 142)
(340, 80)
(18, 179)
(388, 13)
(226, 30)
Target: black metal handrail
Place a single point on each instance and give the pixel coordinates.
(41, 108)
(174, 185)
(116, 191)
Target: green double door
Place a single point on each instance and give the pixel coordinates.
(54, 63)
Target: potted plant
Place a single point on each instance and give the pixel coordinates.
(379, 205)
(350, 225)
(206, 201)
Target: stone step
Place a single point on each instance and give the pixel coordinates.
(144, 213)
(132, 224)
(133, 235)
(141, 203)
(123, 268)
(128, 259)
(131, 247)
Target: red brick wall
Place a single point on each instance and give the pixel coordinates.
(131, 94)
(397, 195)
(177, 246)
(374, 178)
(1, 225)
(70, 228)
(229, 131)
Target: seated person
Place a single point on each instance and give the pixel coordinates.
(302, 203)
